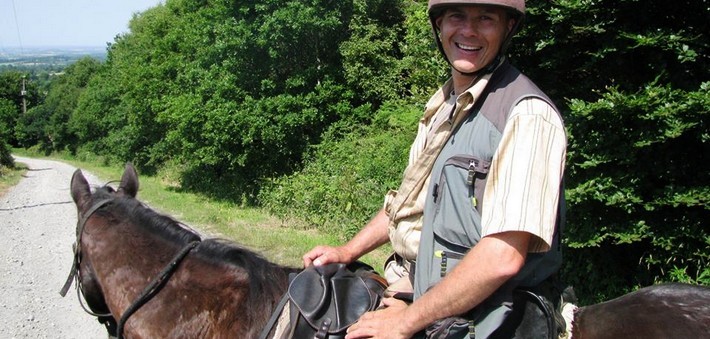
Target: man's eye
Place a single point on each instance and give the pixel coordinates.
(457, 16)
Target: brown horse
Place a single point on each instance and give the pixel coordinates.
(208, 288)
(215, 289)
(655, 312)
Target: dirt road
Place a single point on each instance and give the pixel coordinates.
(37, 225)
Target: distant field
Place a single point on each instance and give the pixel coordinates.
(28, 58)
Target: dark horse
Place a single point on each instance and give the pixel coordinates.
(656, 312)
(218, 290)
(215, 289)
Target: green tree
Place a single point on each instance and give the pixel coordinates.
(232, 91)
(575, 49)
(346, 175)
(47, 123)
(31, 128)
(11, 89)
(7, 108)
(96, 115)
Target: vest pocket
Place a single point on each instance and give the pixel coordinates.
(457, 220)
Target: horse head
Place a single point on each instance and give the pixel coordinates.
(130, 257)
(86, 204)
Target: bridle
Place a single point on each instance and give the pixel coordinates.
(148, 292)
(74, 272)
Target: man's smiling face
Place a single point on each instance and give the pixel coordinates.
(471, 36)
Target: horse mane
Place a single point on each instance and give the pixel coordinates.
(153, 222)
(213, 250)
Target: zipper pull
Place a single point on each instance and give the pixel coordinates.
(442, 255)
(435, 194)
(471, 172)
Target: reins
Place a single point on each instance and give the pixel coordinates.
(83, 306)
(154, 287)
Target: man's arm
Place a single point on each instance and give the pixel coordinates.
(372, 236)
(489, 264)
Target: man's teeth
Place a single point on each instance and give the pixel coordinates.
(468, 48)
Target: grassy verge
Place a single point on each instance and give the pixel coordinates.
(9, 177)
(251, 227)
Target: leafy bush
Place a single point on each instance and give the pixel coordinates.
(344, 181)
(638, 189)
(6, 159)
(6, 109)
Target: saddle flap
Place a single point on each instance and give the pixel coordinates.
(331, 294)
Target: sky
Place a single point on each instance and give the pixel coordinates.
(66, 23)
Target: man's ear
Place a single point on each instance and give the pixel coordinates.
(437, 22)
(511, 24)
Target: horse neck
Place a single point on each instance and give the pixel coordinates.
(116, 238)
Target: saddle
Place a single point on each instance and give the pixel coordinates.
(326, 300)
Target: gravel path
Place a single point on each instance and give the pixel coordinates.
(37, 224)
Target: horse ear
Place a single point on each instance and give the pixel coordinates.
(129, 181)
(80, 191)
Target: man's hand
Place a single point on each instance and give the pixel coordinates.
(387, 323)
(373, 235)
(322, 255)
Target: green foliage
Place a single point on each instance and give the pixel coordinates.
(7, 109)
(574, 49)
(342, 185)
(423, 68)
(221, 88)
(11, 90)
(96, 115)
(30, 128)
(7, 112)
(638, 190)
(627, 76)
(371, 53)
(46, 125)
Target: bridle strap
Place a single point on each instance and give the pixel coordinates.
(154, 287)
(77, 245)
(86, 308)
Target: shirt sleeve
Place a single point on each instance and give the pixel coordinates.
(524, 182)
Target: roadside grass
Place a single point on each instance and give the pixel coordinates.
(251, 227)
(9, 177)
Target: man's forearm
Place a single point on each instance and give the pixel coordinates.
(480, 273)
(372, 236)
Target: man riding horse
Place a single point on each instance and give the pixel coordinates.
(486, 171)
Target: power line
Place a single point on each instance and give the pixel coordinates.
(17, 26)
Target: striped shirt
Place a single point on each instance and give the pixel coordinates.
(521, 180)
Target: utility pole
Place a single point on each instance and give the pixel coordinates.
(23, 93)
